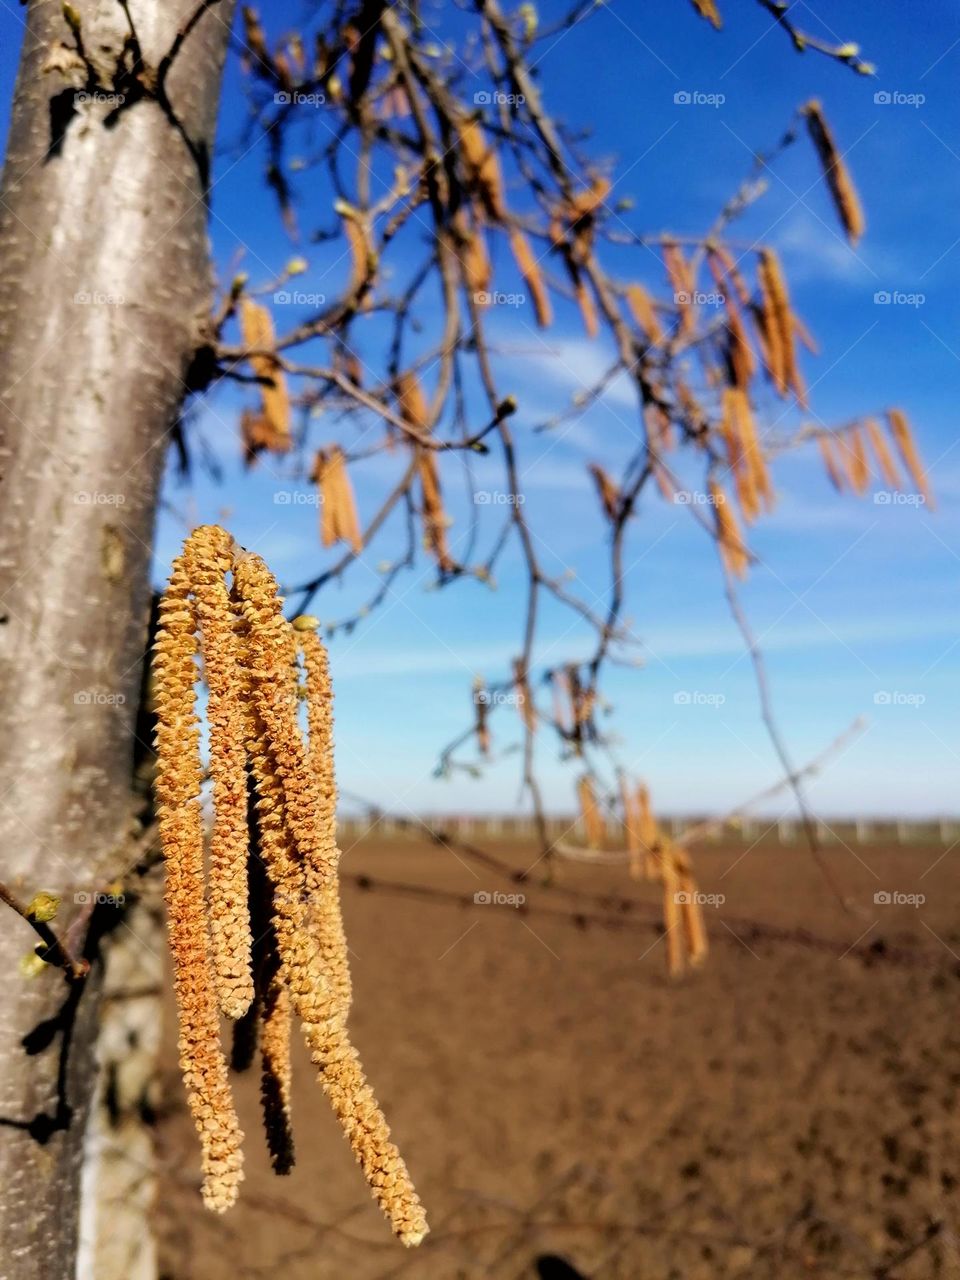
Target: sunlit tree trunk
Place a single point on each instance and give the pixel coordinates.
(104, 286)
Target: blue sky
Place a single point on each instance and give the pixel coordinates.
(854, 601)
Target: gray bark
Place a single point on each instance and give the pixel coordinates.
(104, 284)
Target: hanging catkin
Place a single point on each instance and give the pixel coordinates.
(859, 463)
(900, 430)
(482, 167)
(740, 469)
(322, 892)
(844, 193)
(778, 327)
(257, 328)
(681, 282)
(338, 507)
(672, 917)
(607, 491)
(833, 467)
(521, 690)
(529, 269)
(294, 832)
(642, 309)
(435, 518)
(589, 812)
(211, 559)
(881, 451)
(732, 550)
(179, 819)
(411, 401)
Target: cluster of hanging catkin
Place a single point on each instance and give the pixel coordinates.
(654, 856)
(272, 855)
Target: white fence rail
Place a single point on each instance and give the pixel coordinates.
(785, 830)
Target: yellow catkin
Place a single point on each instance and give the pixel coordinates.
(338, 508)
(753, 454)
(726, 272)
(739, 353)
(647, 828)
(903, 436)
(681, 282)
(529, 269)
(833, 467)
(483, 167)
(740, 469)
(322, 892)
(643, 311)
(210, 554)
(859, 462)
(521, 689)
(435, 518)
(881, 451)
(672, 918)
(288, 796)
(588, 308)
(779, 326)
(607, 491)
(708, 10)
(363, 253)
(631, 828)
(412, 402)
(732, 548)
(694, 930)
(475, 260)
(844, 193)
(257, 329)
(181, 836)
(589, 812)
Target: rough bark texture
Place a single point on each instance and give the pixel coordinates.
(104, 281)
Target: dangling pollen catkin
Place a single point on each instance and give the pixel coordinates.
(250, 655)
(177, 789)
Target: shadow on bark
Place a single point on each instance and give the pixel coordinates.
(104, 919)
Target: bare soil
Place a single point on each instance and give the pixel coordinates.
(789, 1111)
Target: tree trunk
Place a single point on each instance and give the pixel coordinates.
(104, 287)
